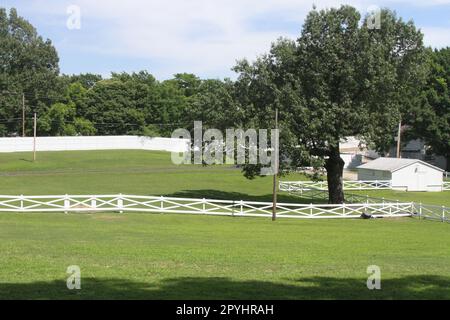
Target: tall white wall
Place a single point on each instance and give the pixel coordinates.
(93, 143)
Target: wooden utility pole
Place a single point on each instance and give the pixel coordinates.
(34, 139)
(275, 174)
(23, 114)
(399, 137)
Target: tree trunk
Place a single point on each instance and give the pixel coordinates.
(335, 168)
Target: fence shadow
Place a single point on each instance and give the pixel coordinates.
(408, 287)
(226, 195)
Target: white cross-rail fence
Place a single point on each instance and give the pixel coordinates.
(424, 211)
(134, 203)
(301, 186)
(322, 196)
(323, 185)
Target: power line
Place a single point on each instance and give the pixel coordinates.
(125, 124)
(102, 123)
(10, 119)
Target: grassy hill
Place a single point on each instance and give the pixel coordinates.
(150, 173)
(132, 172)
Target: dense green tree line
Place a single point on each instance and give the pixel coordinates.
(339, 78)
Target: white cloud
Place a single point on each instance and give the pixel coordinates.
(172, 30)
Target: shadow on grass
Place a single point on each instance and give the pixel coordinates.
(227, 195)
(409, 287)
(25, 160)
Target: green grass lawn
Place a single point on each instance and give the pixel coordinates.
(151, 256)
(169, 256)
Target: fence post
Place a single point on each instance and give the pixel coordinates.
(204, 205)
(94, 202)
(66, 203)
(443, 214)
(242, 206)
(420, 210)
(232, 208)
(161, 205)
(120, 203)
(21, 203)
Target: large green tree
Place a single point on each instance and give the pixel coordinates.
(29, 66)
(339, 79)
(431, 121)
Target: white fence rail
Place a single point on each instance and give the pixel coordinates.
(300, 186)
(420, 210)
(446, 185)
(133, 203)
(321, 195)
(431, 212)
(323, 185)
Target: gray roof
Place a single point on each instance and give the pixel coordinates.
(393, 164)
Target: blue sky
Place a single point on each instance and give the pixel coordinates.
(204, 37)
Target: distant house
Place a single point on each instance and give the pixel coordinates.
(354, 152)
(417, 149)
(351, 150)
(405, 174)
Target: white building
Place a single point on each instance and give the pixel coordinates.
(354, 152)
(351, 150)
(405, 174)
